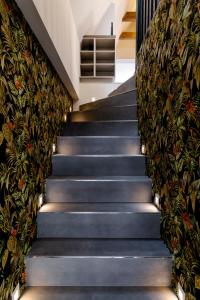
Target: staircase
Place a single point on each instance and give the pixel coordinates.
(98, 232)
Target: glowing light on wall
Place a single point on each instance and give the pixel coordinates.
(93, 99)
(157, 201)
(65, 118)
(54, 148)
(143, 149)
(181, 294)
(40, 200)
(16, 293)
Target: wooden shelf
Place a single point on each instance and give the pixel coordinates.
(105, 44)
(87, 70)
(127, 36)
(87, 57)
(87, 44)
(105, 56)
(97, 57)
(130, 16)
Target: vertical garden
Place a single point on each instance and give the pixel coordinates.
(168, 83)
(33, 101)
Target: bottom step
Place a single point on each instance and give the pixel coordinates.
(64, 293)
(99, 262)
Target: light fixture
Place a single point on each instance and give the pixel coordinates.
(16, 294)
(93, 99)
(180, 291)
(70, 109)
(54, 148)
(40, 200)
(157, 201)
(65, 118)
(143, 149)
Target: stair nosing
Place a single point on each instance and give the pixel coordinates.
(120, 94)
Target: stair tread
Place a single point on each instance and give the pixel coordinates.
(107, 99)
(136, 137)
(106, 108)
(102, 178)
(98, 293)
(105, 122)
(102, 248)
(99, 208)
(100, 155)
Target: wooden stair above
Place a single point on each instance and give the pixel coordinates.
(129, 16)
(127, 36)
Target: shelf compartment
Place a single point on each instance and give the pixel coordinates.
(105, 57)
(105, 44)
(87, 44)
(87, 57)
(105, 70)
(87, 70)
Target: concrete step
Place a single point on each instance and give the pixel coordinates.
(128, 112)
(102, 128)
(98, 165)
(99, 220)
(99, 189)
(98, 145)
(125, 87)
(98, 262)
(98, 293)
(127, 98)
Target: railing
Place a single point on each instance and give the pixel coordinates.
(145, 13)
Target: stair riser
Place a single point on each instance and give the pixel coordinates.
(123, 99)
(113, 113)
(98, 166)
(102, 129)
(98, 271)
(98, 225)
(98, 191)
(84, 146)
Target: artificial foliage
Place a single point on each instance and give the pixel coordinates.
(168, 83)
(33, 101)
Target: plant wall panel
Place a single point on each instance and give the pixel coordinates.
(33, 101)
(168, 83)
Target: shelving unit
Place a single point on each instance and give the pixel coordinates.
(98, 57)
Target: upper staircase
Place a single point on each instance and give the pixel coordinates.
(99, 232)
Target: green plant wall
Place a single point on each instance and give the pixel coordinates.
(168, 83)
(33, 101)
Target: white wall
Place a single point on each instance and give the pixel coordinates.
(58, 19)
(125, 69)
(99, 90)
(88, 14)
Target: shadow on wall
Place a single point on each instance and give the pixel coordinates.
(33, 102)
(168, 83)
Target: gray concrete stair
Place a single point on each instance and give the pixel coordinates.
(125, 87)
(98, 231)
(101, 128)
(85, 145)
(98, 262)
(99, 220)
(127, 98)
(98, 293)
(98, 165)
(99, 189)
(128, 112)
